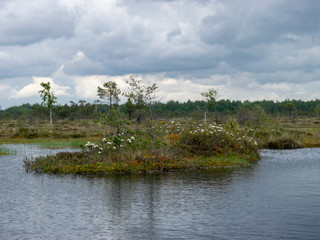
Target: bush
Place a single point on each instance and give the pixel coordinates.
(215, 140)
(284, 142)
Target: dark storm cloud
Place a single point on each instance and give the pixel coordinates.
(209, 42)
(33, 22)
(163, 36)
(246, 23)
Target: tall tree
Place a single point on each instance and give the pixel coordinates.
(257, 114)
(48, 98)
(317, 110)
(210, 98)
(291, 109)
(142, 94)
(110, 92)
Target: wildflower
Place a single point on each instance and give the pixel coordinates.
(129, 140)
(132, 138)
(104, 139)
(99, 152)
(114, 147)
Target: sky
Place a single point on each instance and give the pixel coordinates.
(247, 50)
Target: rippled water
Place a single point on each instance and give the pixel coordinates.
(277, 198)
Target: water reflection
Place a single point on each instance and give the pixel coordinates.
(277, 198)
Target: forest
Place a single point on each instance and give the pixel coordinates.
(243, 112)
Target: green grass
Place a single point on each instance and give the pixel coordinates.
(179, 145)
(281, 133)
(50, 143)
(84, 163)
(172, 149)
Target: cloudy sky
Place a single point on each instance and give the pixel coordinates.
(248, 50)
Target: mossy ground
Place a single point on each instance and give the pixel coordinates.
(83, 163)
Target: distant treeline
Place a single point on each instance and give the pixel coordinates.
(171, 109)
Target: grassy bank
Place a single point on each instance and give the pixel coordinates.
(279, 133)
(84, 163)
(175, 145)
(172, 146)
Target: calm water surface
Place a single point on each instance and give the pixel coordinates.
(277, 198)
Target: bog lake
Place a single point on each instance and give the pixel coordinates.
(276, 198)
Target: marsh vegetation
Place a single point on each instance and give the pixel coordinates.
(138, 138)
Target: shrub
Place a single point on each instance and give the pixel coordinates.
(215, 140)
(286, 141)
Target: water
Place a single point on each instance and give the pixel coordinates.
(277, 198)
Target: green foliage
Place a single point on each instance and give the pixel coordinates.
(223, 109)
(286, 141)
(317, 110)
(210, 96)
(291, 108)
(109, 92)
(48, 98)
(116, 120)
(216, 140)
(142, 94)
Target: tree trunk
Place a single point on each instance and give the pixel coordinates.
(50, 116)
(151, 117)
(205, 117)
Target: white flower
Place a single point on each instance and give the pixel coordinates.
(104, 139)
(129, 140)
(132, 138)
(114, 147)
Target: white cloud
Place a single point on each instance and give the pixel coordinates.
(3, 88)
(277, 86)
(86, 86)
(182, 89)
(34, 88)
(246, 49)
